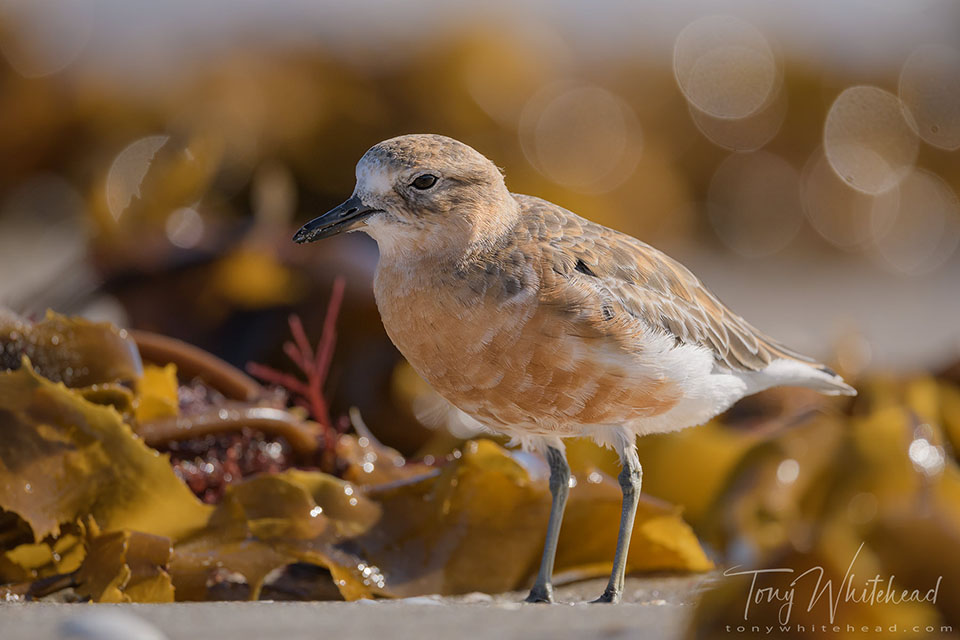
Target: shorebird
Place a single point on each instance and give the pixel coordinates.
(538, 324)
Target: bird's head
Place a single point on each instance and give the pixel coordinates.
(421, 193)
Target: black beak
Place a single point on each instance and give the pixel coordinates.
(343, 218)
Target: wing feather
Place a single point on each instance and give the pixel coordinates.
(653, 288)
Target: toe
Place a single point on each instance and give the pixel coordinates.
(608, 597)
(540, 594)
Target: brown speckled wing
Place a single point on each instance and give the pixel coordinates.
(613, 273)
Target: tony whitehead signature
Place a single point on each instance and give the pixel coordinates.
(872, 591)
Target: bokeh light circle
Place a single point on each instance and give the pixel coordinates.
(582, 137)
(926, 230)
(128, 170)
(184, 227)
(724, 66)
(754, 203)
(845, 217)
(867, 140)
(743, 134)
(49, 35)
(930, 93)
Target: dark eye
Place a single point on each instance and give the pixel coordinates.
(424, 181)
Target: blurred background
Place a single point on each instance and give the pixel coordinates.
(801, 158)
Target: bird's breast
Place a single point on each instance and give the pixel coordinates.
(453, 330)
(505, 358)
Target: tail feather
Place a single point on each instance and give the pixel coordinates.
(791, 372)
(830, 384)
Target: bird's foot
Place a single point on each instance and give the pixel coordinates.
(610, 596)
(541, 593)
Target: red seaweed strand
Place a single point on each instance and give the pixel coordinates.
(314, 364)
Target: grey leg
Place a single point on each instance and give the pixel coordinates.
(630, 479)
(542, 590)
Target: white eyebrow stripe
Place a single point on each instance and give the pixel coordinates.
(374, 177)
